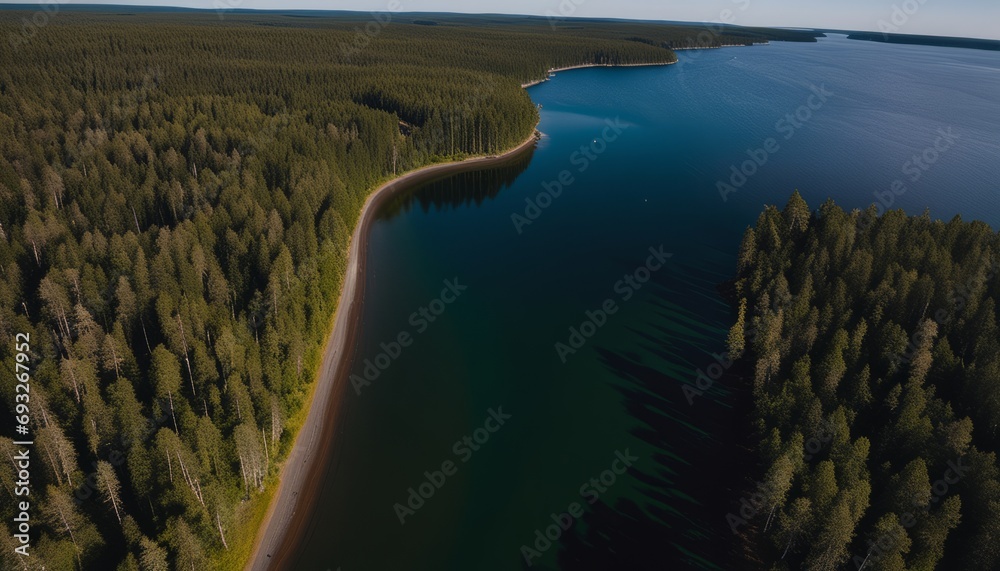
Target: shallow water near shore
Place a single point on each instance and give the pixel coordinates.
(677, 131)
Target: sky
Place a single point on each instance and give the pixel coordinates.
(967, 18)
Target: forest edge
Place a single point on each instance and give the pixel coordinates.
(302, 474)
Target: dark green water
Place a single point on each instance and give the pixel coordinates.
(494, 346)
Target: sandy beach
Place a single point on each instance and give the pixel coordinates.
(305, 468)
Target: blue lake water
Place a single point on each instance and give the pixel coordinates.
(678, 132)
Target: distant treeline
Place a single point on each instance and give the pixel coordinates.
(177, 192)
(970, 43)
(873, 350)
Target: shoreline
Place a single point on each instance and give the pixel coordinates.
(555, 70)
(302, 474)
(280, 534)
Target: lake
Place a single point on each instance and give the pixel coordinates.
(556, 330)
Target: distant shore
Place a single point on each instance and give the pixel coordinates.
(302, 475)
(555, 70)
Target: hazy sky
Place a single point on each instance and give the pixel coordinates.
(971, 18)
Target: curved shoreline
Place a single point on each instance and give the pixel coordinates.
(280, 533)
(550, 72)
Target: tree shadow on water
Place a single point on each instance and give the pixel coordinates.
(459, 188)
(698, 466)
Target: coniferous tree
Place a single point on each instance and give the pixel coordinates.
(900, 374)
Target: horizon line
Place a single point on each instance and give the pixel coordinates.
(280, 11)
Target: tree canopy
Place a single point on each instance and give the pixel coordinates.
(887, 332)
(177, 191)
